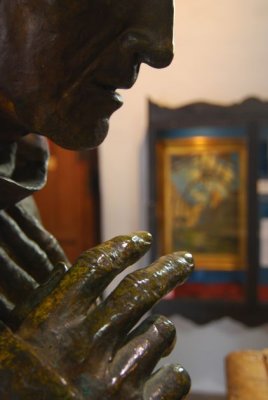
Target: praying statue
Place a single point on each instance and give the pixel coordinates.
(61, 64)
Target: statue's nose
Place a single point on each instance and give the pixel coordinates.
(149, 49)
(150, 38)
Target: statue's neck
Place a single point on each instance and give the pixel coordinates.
(10, 131)
(10, 128)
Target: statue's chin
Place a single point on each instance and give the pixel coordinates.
(74, 137)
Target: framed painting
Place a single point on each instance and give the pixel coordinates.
(202, 200)
(208, 194)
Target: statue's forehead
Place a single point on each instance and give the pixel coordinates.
(100, 9)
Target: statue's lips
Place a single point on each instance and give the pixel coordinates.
(106, 88)
(102, 97)
(109, 95)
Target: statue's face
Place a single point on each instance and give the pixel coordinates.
(63, 60)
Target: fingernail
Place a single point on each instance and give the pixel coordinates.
(142, 237)
(189, 258)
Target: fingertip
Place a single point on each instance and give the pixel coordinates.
(185, 262)
(183, 376)
(142, 237)
(171, 382)
(168, 332)
(186, 257)
(61, 267)
(153, 339)
(189, 259)
(164, 325)
(174, 268)
(125, 250)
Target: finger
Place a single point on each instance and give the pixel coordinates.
(134, 296)
(162, 324)
(6, 308)
(15, 283)
(28, 253)
(169, 383)
(22, 310)
(86, 280)
(24, 376)
(135, 361)
(37, 233)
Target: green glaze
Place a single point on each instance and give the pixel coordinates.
(72, 347)
(92, 346)
(24, 376)
(61, 64)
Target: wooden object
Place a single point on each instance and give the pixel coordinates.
(251, 116)
(69, 204)
(247, 375)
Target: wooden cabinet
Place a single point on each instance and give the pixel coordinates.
(233, 210)
(69, 204)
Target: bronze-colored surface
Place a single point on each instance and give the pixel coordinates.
(61, 62)
(60, 66)
(77, 347)
(28, 256)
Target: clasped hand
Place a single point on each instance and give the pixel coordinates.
(75, 346)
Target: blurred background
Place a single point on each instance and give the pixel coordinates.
(221, 57)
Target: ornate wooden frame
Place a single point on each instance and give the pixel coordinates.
(252, 114)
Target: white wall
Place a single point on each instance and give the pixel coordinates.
(221, 57)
